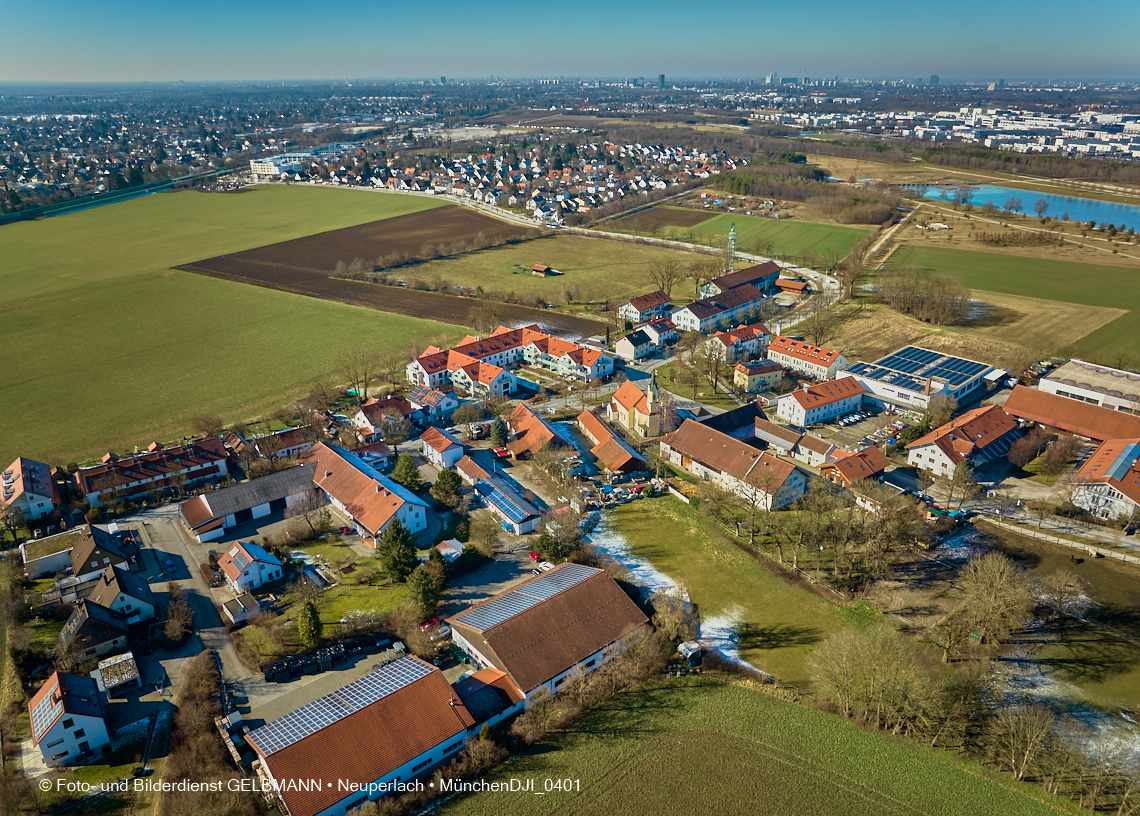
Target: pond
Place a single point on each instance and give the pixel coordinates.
(1078, 209)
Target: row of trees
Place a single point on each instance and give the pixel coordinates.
(362, 269)
(929, 296)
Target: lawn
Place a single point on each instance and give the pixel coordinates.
(1062, 281)
(789, 238)
(777, 622)
(705, 393)
(599, 269)
(115, 349)
(696, 745)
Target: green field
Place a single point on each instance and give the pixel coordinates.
(778, 623)
(1065, 281)
(600, 269)
(789, 237)
(693, 745)
(107, 347)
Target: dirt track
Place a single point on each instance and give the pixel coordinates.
(302, 266)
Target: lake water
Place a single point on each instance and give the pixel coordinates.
(1078, 209)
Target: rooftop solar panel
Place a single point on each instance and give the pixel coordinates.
(1123, 463)
(321, 713)
(525, 597)
(45, 713)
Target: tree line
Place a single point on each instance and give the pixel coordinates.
(929, 296)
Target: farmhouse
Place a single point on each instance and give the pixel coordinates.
(1095, 384)
(125, 593)
(763, 277)
(758, 375)
(912, 376)
(613, 454)
(368, 497)
(248, 566)
(849, 467)
(27, 490)
(441, 448)
(154, 471)
(1077, 417)
(635, 410)
(978, 436)
(210, 515)
(633, 346)
(67, 720)
(645, 307)
(559, 625)
(815, 404)
(401, 721)
(720, 311)
(93, 630)
(804, 358)
(733, 465)
(1109, 481)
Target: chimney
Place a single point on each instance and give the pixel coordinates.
(926, 390)
(328, 473)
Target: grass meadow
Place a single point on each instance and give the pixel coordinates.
(1059, 280)
(695, 745)
(788, 237)
(777, 622)
(107, 347)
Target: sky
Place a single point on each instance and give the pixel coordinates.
(132, 40)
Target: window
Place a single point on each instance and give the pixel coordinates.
(69, 723)
(53, 744)
(84, 748)
(80, 733)
(590, 664)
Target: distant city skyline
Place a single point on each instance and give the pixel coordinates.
(130, 40)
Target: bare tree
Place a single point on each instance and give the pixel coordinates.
(209, 425)
(666, 273)
(1018, 738)
(358, 366)
(940, 410)
(312, 509)
(821, 322)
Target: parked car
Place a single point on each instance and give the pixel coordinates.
(535, 557)
(502, 452)
(171, 566)
(429, 624)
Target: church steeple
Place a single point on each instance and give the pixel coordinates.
(651, 394)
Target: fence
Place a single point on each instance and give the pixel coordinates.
(1088, 548)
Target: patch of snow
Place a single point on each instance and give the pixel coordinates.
(960, 546)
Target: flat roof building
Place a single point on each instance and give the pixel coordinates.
(911, 376)
(1099, 385)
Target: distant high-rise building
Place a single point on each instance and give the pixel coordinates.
(934, 79)
(772, 79)
(661, 81)
(443, 80)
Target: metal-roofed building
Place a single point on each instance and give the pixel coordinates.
(911, 376)
(373, 735)
(1099, 385)
(569, 620)
(209, 516)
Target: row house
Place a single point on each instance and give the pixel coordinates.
(721, 311)
(159, 468)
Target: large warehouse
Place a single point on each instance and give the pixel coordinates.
(911, 376)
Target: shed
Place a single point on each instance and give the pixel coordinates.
(690, 650)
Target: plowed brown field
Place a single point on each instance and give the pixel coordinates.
(302, 266)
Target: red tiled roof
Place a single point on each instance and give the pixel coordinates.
(437, 439)
(28, 475)
(801, 351)
(825, 393)
(1082, 418)
(649, 301)
(864, 464)
(724, 453)
(531, 432)
(974, 430)
(471, 469)
(156, 464)
(789, 285)
(1125, 477)
(368, 501)
(631, 398)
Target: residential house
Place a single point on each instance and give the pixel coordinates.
(977, 437)
(436, 405)
(93, 630)
(660, 332)
(635, 410)
(813, 451)
(515, 512)
(633, 346)
(1093, 422)
(741, 343)
(157, 470)
(733, 465)
(804, 358)
(611, 451)
(529, 433)
(732, 306)
(644, 308)
(248, 566)
(822, 402)
(368, 497)
(93, 550)
(1095, 384)
(1108, 483)
(27, 490)
(68, 724)
(373, 419)
(757, 375)
(550, 629)
(285, 444)
(126, 594)
(393, 725)
(762, 277)
(849, 467)
(441, 448)
(210, 515)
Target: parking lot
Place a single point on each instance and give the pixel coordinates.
(865, 428)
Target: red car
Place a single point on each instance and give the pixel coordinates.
(429, 624)
(501, 452)
(535, 557)
(345, 530)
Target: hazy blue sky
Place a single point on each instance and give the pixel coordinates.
(210, 39)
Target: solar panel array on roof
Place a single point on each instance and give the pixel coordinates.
(1123, 463)
(529, 595)
(46, 712)
(501, 501)
(241, 561)
(357, 695)
(910, 367)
